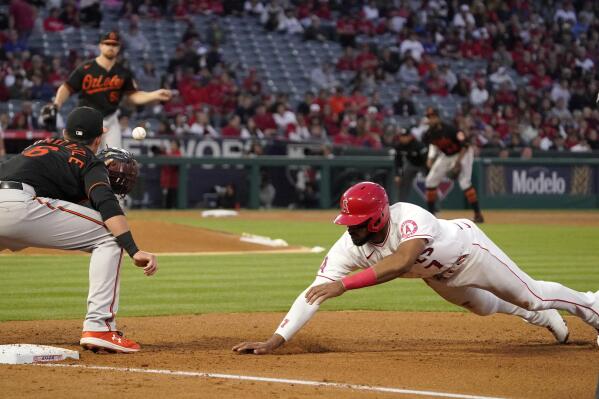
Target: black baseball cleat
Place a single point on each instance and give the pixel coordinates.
(478, 218)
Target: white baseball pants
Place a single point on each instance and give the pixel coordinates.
(490, 282)
(113, 137)
(444, 163)
(30, 221)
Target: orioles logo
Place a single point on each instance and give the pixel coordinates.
(345, 206)
(112, 36)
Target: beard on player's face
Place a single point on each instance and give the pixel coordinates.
(359, 234)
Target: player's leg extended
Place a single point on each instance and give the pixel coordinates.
(433, 179)
(489, 268)
(485, 303)
(44, 222)
(465, 181)
(113, 137)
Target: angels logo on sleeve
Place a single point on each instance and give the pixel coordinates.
(408, 229)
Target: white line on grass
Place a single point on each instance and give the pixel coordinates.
(337, 385)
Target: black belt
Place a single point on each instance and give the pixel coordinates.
(11, 185)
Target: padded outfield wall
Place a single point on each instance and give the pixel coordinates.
(542, 183)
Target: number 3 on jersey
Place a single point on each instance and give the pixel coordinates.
(39, 150)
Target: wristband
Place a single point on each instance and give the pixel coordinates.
(126, 242)
(365, 278)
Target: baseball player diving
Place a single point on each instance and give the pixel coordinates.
(101, 84)
(40, 193)
(454, 257)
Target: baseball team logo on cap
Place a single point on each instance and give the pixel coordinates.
(111, 37)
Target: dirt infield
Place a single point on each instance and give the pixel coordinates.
(448, 353)
(459, 353)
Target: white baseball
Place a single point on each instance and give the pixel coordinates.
(139, 133)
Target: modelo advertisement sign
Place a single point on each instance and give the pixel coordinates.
(540, 180)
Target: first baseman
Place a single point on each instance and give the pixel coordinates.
(454, 257)
(40, 192)
(102, 83)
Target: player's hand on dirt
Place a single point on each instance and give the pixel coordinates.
(146, 260)
(164, 94)
(318, 294)
(260, 348)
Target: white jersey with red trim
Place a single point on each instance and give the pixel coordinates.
(448, 244)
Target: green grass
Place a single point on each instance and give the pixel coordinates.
(51, 287)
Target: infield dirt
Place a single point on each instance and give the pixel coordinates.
(444, 352)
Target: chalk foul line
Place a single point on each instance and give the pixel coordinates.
(355, 387)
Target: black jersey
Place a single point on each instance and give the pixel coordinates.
(99, 88)
(57, 169)
(414, 152)
(445, 137)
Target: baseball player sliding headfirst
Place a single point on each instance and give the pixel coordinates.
(454, 257)
(101, 84)
(40, 192)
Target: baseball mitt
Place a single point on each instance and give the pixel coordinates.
(454, 172)
(122, 169)
(48, 116)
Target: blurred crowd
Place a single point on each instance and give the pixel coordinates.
(537, 91)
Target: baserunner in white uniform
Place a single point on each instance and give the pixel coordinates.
(40, 192)
(454, 257)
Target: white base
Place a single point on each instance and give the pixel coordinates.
(28, 353)
(219, 213)
(270, 242)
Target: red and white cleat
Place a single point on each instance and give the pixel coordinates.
(109, 341)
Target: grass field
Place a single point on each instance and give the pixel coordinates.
(55, 287)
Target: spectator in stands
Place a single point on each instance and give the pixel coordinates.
(479, 93)
(404, 106)
(450, 78)
(284, 117)
(70, 15)
(435, 84)
(148, 78)
(265, 121)
(253, 7)
(411, 47)
(560, 90)
(179, 126)
(23, 16)
(90, 13)
(25, 120)
(288, 23)
(18, 91)
(251, 131)
(41, 90)
(201, 125)
(215, 34)
(134, 38)
(561, 111)
(464, 18)
(233, 128)
(14, 44)
(315, 30)
(303, 108)
(52, 23)
(565, 13)
(346, 30)
(501, 77)
(347, 62)
(408, 73)
(323, 76)
(389, 62)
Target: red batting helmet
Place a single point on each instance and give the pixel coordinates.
(364, 201)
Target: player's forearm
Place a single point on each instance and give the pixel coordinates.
(388, 268)
(117, 225)
(300, 313)
(143, 97)
(62, 95)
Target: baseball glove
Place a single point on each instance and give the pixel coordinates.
(122, 169)
(48, 116)
(454, 172)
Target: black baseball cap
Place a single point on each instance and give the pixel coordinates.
(111, 37)
(85, 123)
